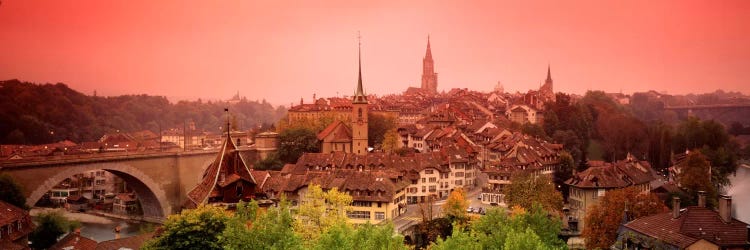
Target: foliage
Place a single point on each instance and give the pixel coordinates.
(574, 119)
(270, 230)
(199, 228)
(431, 230)
(49, 227)
(390, 141)
(714, 142)
(526, 189)
(533, 130)
(272, 162)
(571, 143)
(455, 206)
(320, 210)
(44, 113)
(364, 237)
(11, 192)
(294, 142)
(564, 172)
(621, 134)
(604, 218)
(377, 127)
(496, 230)
(694, 176)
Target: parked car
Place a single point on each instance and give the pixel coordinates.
(470, 210)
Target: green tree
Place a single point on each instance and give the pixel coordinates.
(272, 230)
(459, 239)
(272, 162)
(390, 141)
(455, 206)
(694, 176)
(526, 189)
(604, 218)
(533, 130)
(294, 142)
(564, 172)
(364, 237)
(377, 126)
(11, 192)
(50, 226)
(199, 228)
(320, 210)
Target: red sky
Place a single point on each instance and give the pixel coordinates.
(285, 50)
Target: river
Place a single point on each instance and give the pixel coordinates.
(100, 228)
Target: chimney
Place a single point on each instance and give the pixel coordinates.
(675, 207)
(725, 208)
(702, 198)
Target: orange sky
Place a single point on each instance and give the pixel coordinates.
(284, 50)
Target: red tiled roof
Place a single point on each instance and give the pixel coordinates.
(10, 215)
(133, 242)
(74, 241)
(228, 162)
(693, 224)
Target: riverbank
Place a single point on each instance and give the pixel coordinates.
(80, 217)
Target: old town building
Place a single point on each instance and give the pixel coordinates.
(15, 227)
(429, 77)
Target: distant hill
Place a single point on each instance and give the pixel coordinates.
(43, 113)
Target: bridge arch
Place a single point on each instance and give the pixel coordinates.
(152, 197)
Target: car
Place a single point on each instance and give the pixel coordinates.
(470, 210)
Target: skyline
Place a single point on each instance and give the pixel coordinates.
(211, 51)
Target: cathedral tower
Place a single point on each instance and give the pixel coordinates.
(429, 77)
(359, 115)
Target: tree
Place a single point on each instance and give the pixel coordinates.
(603, 219)
(11, 192)
(364, 237)
(570, 142)
(320, 210)
(199, 228)
(377, 126)
(564, 172)
(533, 130)
(294, 142)
(526, 189)
(390, 141)
(270, 230)
(694, 176)
(50, 226)
(497, 230)
(455, 206)
(271, 162)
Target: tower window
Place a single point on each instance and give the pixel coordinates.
(360, 113)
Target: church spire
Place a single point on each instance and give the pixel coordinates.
(428, 54)
(549, 74)
(359, 96)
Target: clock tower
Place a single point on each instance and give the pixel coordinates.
(359, 113)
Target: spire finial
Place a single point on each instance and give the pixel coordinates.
(359, 94)
(549, 73)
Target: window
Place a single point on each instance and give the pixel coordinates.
(358, 215)
(424, 189)
(433, 179)
(428, 171)
(433, 188)
(379, 204)
(361, 204)
(379, 216)
(424, 180)
(239, 189)
(459, 174)
(459, 183)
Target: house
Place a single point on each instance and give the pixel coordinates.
(336, 137)
(133, 242)
(126, 203)
(226, 181)
(74, 241)
(524, 114)
(694, 227)
(586, 187)
(77, 203)
(15, 227)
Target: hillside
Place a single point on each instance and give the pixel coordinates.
(43, 113)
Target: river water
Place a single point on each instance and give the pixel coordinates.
(740, 192)
(100, 228)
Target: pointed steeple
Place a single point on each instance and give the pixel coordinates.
(359, 95)
(549, 74)
(428, 54)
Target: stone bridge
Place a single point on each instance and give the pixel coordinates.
(161, 180)
(724, 113)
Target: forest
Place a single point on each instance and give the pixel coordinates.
(43, 113)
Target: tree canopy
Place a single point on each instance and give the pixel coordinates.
(604, 218)
(10, 192)
(49, 227)
(527, 189)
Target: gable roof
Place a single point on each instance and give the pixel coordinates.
(228, 162)
(339, 130)
(693, 224)
(74, 241)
